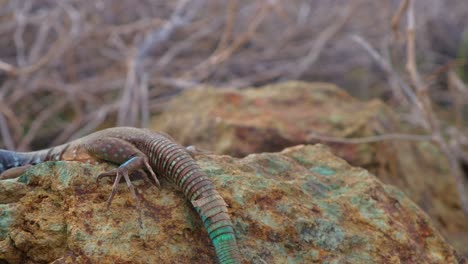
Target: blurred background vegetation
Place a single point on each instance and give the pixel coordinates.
(69, 67)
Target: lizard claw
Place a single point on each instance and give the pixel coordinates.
(150, 170)
(133, 165)
(119, 172)
(139, 174)
(107, 174)
(143, 175)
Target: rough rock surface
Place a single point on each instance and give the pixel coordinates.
(273, 117)
(303, 205)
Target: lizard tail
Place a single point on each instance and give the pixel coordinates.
(181, 169)
(213, 212)
(12, 159)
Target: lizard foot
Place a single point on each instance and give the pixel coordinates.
(140, 174)
(118, 173)
(134, 164)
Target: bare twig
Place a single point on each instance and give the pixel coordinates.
(434, 75)
(370, 139)
(20, 16)
(396, 19)
(228, 25)
(40, 41)
(144, 103)
(130, 28)
(411, 52)
(94, 120)
(6, 135)
(428, 112)
(11, 122)
(458, 91)
(38, 122)
(8, 68)
(205, 68)
(390, 72)
(457, 83)
(186, 44)
(128, 111)
(322, 40)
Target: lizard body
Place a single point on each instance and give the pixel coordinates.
(139, 149)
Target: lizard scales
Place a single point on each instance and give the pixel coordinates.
(135, 149)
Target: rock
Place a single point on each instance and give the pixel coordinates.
(270, 118)
(266, 119)
(303, 205)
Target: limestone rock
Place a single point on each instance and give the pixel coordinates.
(273, 117)
(303, 205)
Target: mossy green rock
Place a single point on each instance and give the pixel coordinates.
(272, 117)
(303, 205)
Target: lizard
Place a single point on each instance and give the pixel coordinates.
(136, 150)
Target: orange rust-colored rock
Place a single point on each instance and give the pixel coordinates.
(303, 205)
(270, 118)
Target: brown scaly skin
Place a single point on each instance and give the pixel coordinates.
(135, 150)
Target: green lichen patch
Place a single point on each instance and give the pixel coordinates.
(369, 209)
(46, 169)
(323, 170)
(323, 233)
(316, 188)
(5, 220)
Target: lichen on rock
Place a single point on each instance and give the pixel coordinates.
(302, 205)
(270, 118)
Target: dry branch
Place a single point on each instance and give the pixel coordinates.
(459, 91)
(323, 39)
(205, 68)
(119, 62)
(392, 75)
(428, 112)
(396, 19)
(370, 139)
(418, 95)
(6, 134)
(133, 95)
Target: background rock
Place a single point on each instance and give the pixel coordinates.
(273, 117)
(302, 205)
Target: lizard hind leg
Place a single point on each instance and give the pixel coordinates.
(119, 151)
(140, 174)
(123, 170)
(134, 164)
(130, 160)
